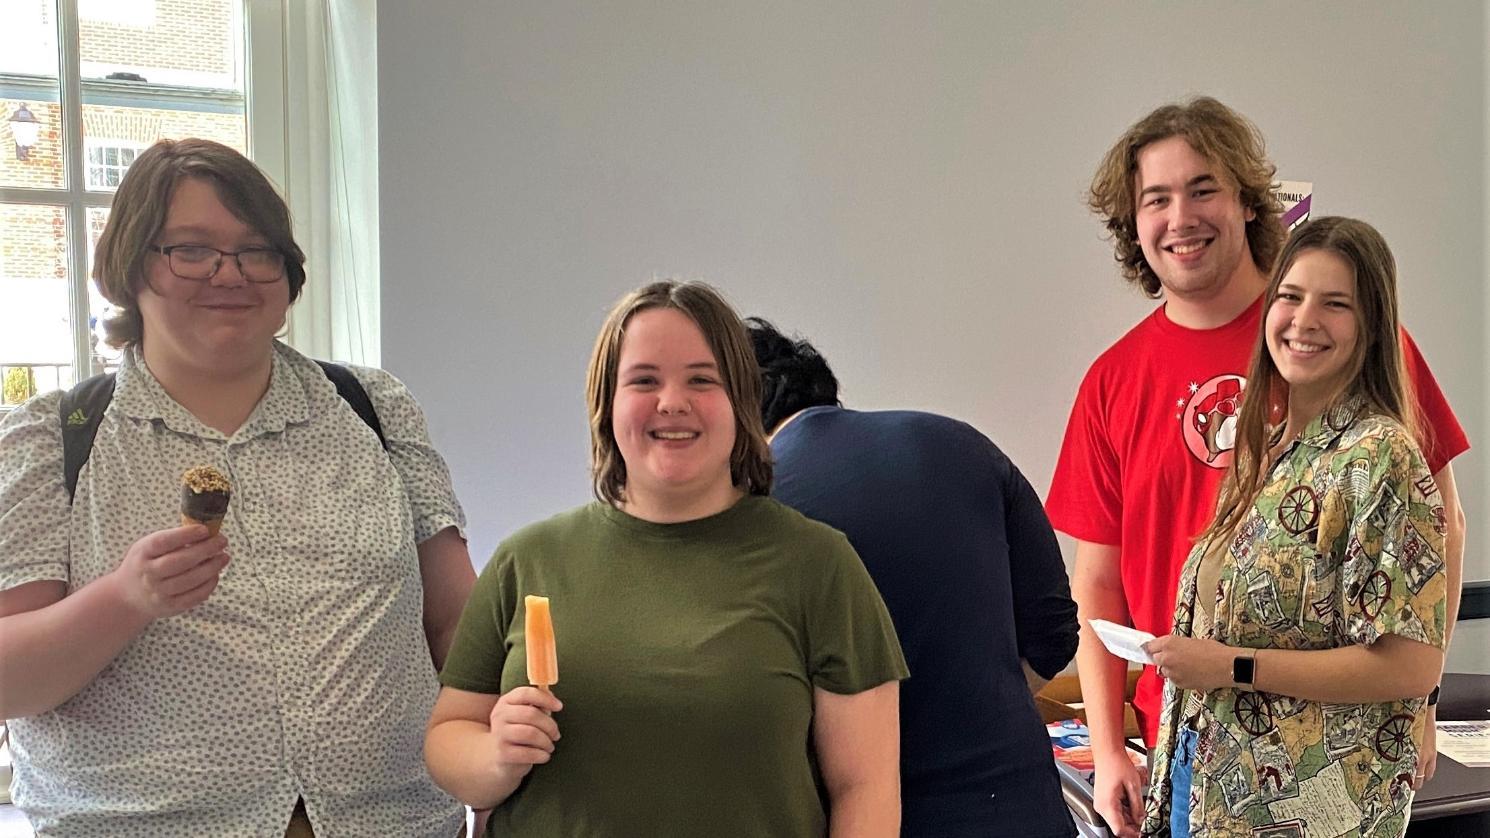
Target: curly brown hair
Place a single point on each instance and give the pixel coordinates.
(1222, 136)
(750, 460)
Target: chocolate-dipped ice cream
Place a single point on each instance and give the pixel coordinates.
(205, 492)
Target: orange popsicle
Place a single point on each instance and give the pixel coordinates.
(543, 653)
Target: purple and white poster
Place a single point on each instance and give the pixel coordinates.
(1297, 196)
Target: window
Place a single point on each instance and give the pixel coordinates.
(4, 763)
(88, 87)
(139, 13)
(107, 160)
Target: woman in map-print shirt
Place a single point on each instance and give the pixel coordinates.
(1309, 623)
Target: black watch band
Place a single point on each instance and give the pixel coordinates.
(1243, 669)
(1433, 696)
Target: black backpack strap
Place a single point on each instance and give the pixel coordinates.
(82, 409)
(83, 406)
(351, 391)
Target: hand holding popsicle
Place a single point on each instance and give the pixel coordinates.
(524, 730)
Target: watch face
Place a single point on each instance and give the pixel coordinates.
(1241, 669)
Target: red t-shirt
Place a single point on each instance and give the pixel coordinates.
(1149, 439)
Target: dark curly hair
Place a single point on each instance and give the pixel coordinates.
(1219, 134)
(793, 375)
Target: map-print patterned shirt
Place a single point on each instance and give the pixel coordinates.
(1344, 544)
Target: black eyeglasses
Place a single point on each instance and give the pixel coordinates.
(199, 262)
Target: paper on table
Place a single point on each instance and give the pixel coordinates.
(1467, 743)
(1123, 641)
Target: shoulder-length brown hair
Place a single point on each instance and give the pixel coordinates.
(1377, 372)
(1217, 133)
(139, 212)
(750, 460)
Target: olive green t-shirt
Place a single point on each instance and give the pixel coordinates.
(687, 655)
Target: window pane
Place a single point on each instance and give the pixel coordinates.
(183, 43)
(156, 69)
(98, 308)
(36, 340)
(30, 119)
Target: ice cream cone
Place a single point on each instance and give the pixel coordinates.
(205, 494)
(213, 527)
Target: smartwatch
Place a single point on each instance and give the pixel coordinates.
(1243, 669)
(1433, 696)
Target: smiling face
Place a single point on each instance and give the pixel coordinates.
(1312, 330)
(672, 418)
(224, 322)
(1191, 225)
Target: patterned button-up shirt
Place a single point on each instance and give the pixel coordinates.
(1344, 544)
(305, 674)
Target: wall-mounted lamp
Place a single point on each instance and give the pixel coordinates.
(25, 128)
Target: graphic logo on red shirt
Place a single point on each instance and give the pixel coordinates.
(1208, 418)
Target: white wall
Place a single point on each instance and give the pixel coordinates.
(902, 183)
(1468, 651)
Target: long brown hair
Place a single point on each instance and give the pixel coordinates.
(139, 212)
(1376, 369)
(750, 459)
(1220, 135)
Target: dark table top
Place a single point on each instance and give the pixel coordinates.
(1456, 789)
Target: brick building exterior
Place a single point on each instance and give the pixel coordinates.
(22, 254)
(166, 35)
(187, 61)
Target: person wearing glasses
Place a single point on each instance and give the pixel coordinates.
(273, 678)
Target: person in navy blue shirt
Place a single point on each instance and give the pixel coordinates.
(958, 543)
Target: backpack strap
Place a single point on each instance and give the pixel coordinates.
(82, 409)
(353, 393)
(83, 406)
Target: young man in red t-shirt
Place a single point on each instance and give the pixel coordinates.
(1187, 196)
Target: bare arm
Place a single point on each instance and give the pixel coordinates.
(1098, 587)
(479, 747)
(1453, 545)
(445, 569)
(857, 738)
(1453, 552)
(1392, 668)
(53, 645)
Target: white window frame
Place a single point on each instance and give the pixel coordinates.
(267, 102)
(264, 108)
